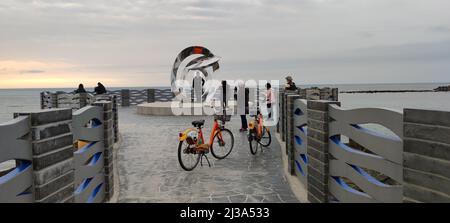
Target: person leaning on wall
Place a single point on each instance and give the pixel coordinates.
(290, 85)
(80, 89)
(100, 89)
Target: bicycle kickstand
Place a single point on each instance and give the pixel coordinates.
(207, 160)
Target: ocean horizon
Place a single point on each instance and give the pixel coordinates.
(28, 99)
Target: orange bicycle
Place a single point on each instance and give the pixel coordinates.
(192, 147)
(259, 135)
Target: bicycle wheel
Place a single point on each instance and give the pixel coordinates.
(187, 159)
(223, 145)
(253, 143)
(266, 138)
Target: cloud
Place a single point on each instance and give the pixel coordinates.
(116, 38)
(32, 71)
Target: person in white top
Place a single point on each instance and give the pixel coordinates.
(270, 98)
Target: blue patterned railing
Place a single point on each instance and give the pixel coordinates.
(88, 159)
(16, 183)
(300, 139)
(355, 172)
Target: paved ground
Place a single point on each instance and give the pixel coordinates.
(149, 170)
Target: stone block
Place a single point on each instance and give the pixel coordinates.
(42, 191)
(46, 175)
(321, 105)
(319, 155)
(426, 164)
(427, 132)
(425, 195)
(59, 196)
(427, 180)
(318, 196)
(318, 145)
(319, 166)
(40, 133)
(48, 116)
(317, 134)
(317, 115)
(428, 117)
(427, 148)
(53, 143)
(316, 124)
(45, 160)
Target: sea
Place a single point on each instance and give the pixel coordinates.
(23, 100)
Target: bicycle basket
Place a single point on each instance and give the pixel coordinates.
(225, 118)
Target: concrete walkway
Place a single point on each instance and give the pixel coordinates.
(149, 170)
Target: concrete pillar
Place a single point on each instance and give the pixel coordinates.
(115, 111)
(284, 114)
(426, 156)
(151, 95)
(280, 110)
(290, 132)
(83, 99)
(317, 151)
(52, 149)
(335, 92)
(125, 95)
(109, 145)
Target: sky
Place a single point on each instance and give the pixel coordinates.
(50, 43)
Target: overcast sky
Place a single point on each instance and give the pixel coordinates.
(49, 43)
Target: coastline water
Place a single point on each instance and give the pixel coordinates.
(21, 100)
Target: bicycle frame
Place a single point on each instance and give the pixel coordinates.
(216, 128)
(259, 129)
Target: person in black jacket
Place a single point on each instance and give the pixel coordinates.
(290, 85)
(244, 124)
(100, 89)
(80, 89)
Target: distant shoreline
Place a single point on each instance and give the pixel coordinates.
(384, 91)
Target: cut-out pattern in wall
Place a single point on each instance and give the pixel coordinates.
(16, 183)
(370, 169)
(300, 142)
(88, 158)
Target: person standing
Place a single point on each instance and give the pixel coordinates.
(290, 85)
(270, 98)
(244, 123)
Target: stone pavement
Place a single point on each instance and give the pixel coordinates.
(149, 170)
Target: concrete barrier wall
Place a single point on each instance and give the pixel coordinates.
(403, 157)
(123, 97)
(362, 167)
(426, 156)
(48, 168)
(16, 183)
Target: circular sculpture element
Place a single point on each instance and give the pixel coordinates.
(190, 63)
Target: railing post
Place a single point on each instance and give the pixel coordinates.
(52, 149)
(109, 146)
(83, 100)
(284, 115)
(335, 93)
(115, 118)
(151, 95)
(280, 111)
(317, 151)
(125, 96)
(290, 132)
(426, 156)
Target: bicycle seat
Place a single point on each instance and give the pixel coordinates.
(198, 123)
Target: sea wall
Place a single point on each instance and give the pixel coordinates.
(60, 155)
(124, 98)
(338, 157)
